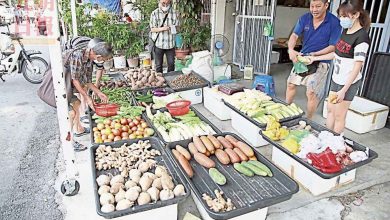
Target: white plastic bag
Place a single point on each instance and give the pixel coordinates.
(201, 64)
(5, 42)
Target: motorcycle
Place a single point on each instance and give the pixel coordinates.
(19, 60)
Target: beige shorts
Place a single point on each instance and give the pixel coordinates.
(314, 82)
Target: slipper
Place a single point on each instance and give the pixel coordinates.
(84, 119)
(86, 131)
(78, 147)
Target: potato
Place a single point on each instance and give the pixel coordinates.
(103, 180)
(103, 189)
(132, 194)
(145, 182)
(222, 156)
(117, 179)
(166, 194)
(245, 149)
(120, 195)
(215, 141)
(204, 160)
(116, 188)
(157, 183)
(207, 143)
(144, 198)
(124, 204)
(241, 154)
(107, 208)
(192, 148)
(234, 158)
(160, 170)
(179, 190)
(166, 182)
(186, 166)
(154, 194)
(130, 184)
(184, 152)
(199, 145)
(107, 198)
(225, 143)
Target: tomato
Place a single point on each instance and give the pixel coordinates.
(107, 140)
(129, 120)
(132, 136)
(117, 125)
(107, 121)
(117, 138)
(138, 118)
(144, 125)
(100, 126)
(99, 140)
(136, 122)
(104, 137)
(131, 124)
(125, 128)
(134, 128)
(115, 132)
(124, 121)
(108, 131)
(124, 134)
(110, 136)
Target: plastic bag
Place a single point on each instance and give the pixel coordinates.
(5, 42)
(300, 68)
(201, 64)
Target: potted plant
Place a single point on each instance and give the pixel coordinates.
(189, 15)
(201, 39)
(136, 47)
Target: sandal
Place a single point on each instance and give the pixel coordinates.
(78, 147)
(84, 119)
(86, 131)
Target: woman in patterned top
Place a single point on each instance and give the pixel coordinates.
(351, 52)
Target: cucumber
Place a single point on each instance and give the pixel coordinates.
(217, 176)
(242, 169)
(254, 169)
(261, 166)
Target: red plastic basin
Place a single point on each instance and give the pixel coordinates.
(180, 107)
(106, 110)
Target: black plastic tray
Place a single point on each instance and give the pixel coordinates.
(247, 193)
(164, 160)
(258, 124)
(172, 75)
(93, 124)
(144, 91)
(319, 128)
(191, 108)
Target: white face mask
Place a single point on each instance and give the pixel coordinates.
(166, 8)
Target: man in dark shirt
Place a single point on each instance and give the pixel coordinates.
(320, 31)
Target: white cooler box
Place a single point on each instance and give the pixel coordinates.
(363, 115)
(307, 178)
(212, 100)
(193, 95)
(247, 130)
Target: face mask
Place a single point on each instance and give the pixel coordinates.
(98, 62)
(346, 23)
(166, 8)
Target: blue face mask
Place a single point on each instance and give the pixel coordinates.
(346, 23)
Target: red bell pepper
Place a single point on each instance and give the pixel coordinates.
(325, 161)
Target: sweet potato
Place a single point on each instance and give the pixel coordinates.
(204, 160)
(184, 152)
(232, 140)
(199, 145)
(186, 166)
(192, 148)
(207, 153)
(246, 149)
(234, 158)
(207, 143)
(241, 154)
(159, 83)
(225, 143)
(222, 156)
(176, 154)
(151, 79)
(214, 140)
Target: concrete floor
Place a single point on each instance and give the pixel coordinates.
(365, 198)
